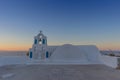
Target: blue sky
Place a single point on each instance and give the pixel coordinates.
(63, 21)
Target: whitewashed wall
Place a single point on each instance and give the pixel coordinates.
(109, 61)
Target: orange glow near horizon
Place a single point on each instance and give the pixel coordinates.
(109, 47)
(14, 47)
(24, 46)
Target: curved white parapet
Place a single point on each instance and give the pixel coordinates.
(92, 53)
(110, 61)
(68, 52)
(76, 54)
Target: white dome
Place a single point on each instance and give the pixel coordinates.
(68, 52)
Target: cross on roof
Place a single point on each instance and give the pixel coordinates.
(40, 31)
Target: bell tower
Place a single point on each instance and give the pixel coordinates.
(39, 48)
(40, 39)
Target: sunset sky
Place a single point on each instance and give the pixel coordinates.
(79, 22)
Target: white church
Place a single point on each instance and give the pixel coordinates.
(67, 53)
(41, 53)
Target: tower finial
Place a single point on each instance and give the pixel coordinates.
(40, 31)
